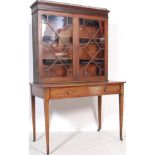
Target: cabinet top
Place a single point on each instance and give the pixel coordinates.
(68, 8)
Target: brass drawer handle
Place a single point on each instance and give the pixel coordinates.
(69, 92)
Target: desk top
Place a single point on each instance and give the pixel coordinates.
(68, 84)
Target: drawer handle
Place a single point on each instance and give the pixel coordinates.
(105, 89)
(69, 92)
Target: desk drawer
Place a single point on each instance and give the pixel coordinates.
(105, 89)
(68, 92)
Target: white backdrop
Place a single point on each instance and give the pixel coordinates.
(81, 114)
(131, 58)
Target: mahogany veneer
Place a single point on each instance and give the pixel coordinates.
(70, 57)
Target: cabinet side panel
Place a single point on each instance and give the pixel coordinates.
(35, 47)
(106, 49)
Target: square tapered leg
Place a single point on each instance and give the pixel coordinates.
(99, 112)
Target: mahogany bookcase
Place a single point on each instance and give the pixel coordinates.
(70, 57)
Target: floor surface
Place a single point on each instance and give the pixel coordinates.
(79, 143)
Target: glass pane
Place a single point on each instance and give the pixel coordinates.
(57, 50)
(91, 42)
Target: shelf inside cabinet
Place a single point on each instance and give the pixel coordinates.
(90, 59)
(83, 41)
(89, 22)
(60, 61)
(86, 61)
(93, 38)
(59, 58)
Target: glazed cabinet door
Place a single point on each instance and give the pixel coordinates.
(92, 48)
(56, 46)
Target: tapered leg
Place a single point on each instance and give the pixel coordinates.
(46, 109)
(33, 117)
(99, 112)
(121, 104)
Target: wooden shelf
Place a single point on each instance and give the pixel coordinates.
(55, 58)
(71, 58)
(85, 40)
(90, 59)
(51, 61)
(89, 38)
(56, 36)
(81, 44)
(86, 61)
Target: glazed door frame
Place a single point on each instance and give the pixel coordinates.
(75, 47)
(105, 57)
(54, 79)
